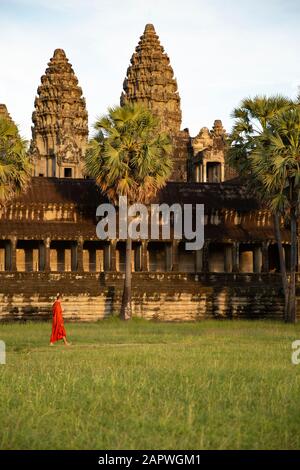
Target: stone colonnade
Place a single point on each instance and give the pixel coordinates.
(155, 256)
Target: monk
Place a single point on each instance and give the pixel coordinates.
(58, 329)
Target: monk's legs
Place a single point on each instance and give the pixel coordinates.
(65, 341)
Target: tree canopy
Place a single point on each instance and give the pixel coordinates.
(15, 167)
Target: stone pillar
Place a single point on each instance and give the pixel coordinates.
(265, 257)
(235, 257)
(228, 258)
(222, 171)
(13, 253)
(47, 243)
(204, 171)
(112, 255)
(257, 259)
(175, 256)
(197, 173)
(199, 260)
(79, 255)
(144, 265)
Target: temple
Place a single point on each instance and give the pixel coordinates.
(48, 239)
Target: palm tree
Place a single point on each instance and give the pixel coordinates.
(249, 153)
(129, 157)
(276, 162)
(15, 167)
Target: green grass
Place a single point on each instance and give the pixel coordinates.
(147, 385)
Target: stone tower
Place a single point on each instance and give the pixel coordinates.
(150, 80)
(60, 122)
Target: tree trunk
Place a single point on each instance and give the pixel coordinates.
(292, 313)
(126, 309)
(282, 262)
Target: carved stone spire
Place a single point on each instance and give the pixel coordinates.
(4, 112)
(60, 126)
(150, 80)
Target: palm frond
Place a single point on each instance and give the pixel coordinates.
(128, 155)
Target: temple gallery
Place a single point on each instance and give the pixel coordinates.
(48, 240)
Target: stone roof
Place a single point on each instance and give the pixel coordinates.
(227, 195)
(86, 196)
(61, 191)
(84, 192)
(87, 230)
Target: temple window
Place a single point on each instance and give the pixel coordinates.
(216, 258)
(186, 259)
(63, 256)
(213, 172)
(246, 258)
(94, 256)
(28, 255)
(157, 253)
(121, 256)
(273, 257)
(4, 255)
(68, 172)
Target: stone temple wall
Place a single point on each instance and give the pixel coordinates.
(156, 296)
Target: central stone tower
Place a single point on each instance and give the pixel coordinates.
(150, 80)
(60, 125)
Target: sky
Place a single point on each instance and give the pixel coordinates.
(221, 51)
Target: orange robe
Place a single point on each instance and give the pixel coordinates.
(58, 329)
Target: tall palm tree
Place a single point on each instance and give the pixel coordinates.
(129, 157)
(15, 167)
(248, 147)
(276, 162)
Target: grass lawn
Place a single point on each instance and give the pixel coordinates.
(145, 385)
